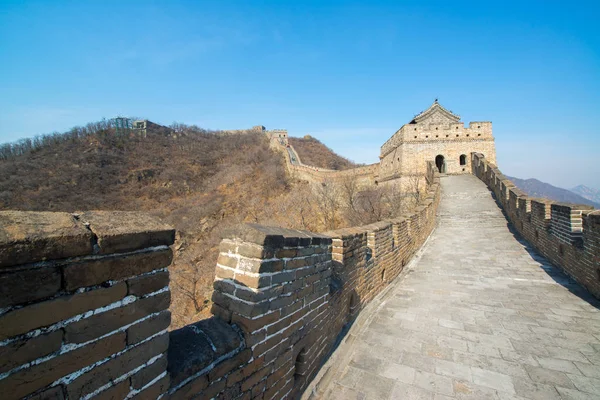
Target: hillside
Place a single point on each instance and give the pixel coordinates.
(200, 182)
(313, 152)
(536, 188)
(588, 193)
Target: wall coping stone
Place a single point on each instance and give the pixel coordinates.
(577, 207)
(346, 233)
(122, 231)
(541, 200)
(272, 236)
(31, 236)
(518, 192)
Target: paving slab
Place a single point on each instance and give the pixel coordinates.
(477, 315)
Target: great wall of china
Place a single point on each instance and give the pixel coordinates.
(435, 134)
(278, 141)
(84, 298)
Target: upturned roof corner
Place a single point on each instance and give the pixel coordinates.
(436, 106)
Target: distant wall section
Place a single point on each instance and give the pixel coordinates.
(278, 139)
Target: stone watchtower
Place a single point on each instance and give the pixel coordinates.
(436, 135)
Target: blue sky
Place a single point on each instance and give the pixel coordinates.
(348, 73)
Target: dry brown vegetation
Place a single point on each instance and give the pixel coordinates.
(313, 152)
(198, 181)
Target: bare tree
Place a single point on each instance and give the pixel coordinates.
(187, 284)
(301, 211)
(416, 186)
(394, 200)
(371, 204)
(327, 199)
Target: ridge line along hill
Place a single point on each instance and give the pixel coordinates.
(200, 182)
(314, 153)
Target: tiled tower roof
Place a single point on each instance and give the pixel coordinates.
(431, 110)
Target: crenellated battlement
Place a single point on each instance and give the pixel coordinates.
(426, 133)
(567, 234)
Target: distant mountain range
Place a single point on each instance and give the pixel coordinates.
(579, 195)
(588, 193)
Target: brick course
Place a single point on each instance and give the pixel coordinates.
(69, 310)
(95, 272)
(30, 379)
(22, 320)
(22, 351)
(116, 367)
(103, 323)
(29, 284)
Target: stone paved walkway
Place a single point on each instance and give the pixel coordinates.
(478, 316)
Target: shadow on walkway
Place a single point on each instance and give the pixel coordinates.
(552, 270)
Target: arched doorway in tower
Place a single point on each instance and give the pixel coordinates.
(440, 163)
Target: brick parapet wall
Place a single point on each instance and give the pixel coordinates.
(273, 284)
(567, 222)
(566, 234)
(83, 305)
(283, 297)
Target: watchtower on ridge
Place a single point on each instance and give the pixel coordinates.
(438, 135)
